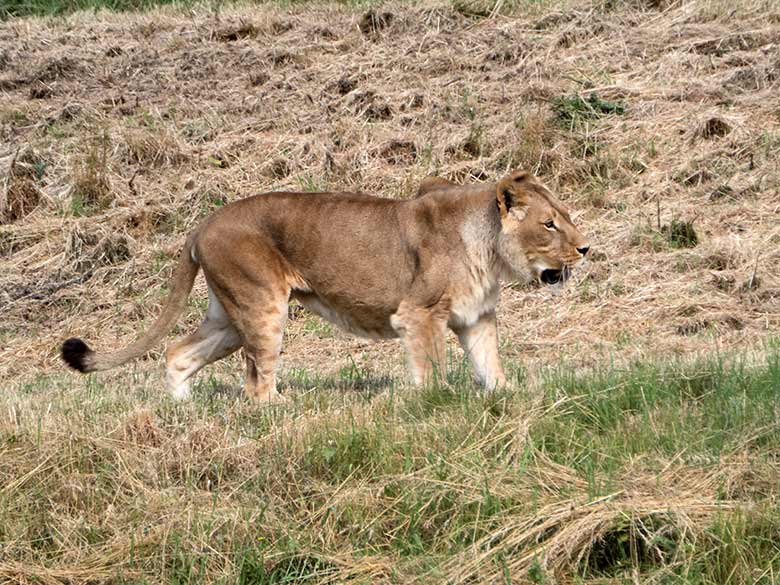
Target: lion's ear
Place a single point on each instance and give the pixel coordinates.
(510, 197)
(519, 177)
(429, 184)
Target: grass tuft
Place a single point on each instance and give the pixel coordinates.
(681, 234)
(91, 188)
(572, 110)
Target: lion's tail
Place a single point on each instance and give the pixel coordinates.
(79, 356)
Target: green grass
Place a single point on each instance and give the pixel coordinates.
(572, 110)
(11, 8)
(669, 469)
(694, 412)
(16, 8)
(470, 8)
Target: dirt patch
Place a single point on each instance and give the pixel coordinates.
(40, 91)
(19, 191)
(370, 106)
(695, 326)
(374, 22)
(399, 152)
(20, 198)
(232, 33)
(344, 85)
(257, 78)
(714, 127)
(753, 78)
(719, 46)
(56, 69)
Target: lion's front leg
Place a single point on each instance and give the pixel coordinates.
(423, 333)
(480, 342)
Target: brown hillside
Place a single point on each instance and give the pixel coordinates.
(119, 132)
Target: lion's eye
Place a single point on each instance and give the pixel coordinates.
(550, 225)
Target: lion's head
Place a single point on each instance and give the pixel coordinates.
(537, 238)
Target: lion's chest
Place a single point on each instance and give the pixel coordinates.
(476, 294)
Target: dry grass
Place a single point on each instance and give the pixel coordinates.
(170, 115)
(111, 481)
(118, 133)
(90, 186)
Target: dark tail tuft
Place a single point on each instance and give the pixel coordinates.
(73, 352)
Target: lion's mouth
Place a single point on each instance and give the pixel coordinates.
(551, 276)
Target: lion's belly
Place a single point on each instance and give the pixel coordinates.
(360, 320)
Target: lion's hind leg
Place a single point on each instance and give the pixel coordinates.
(262, 325)
(253, 282)
(215, 339)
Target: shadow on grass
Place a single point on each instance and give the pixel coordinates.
(300, 381)
(370, 383)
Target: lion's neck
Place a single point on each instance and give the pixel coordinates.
(474, 286)
(479, 233)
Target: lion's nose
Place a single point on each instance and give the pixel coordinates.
(583, 250)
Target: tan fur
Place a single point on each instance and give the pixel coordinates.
(429, 184)
(376, 267)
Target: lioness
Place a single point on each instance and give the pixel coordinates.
(379, 268)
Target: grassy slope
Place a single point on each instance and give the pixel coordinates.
(665, 472)
(111, 150)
